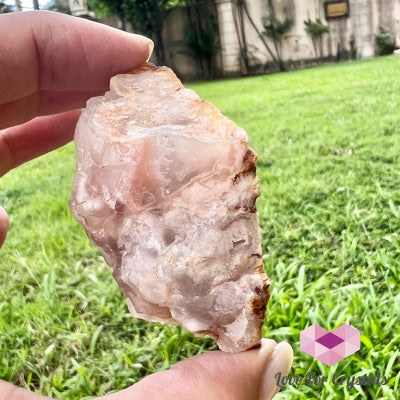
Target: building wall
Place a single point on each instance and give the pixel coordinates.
(365, 18)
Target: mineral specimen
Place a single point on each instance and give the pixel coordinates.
(166, 187)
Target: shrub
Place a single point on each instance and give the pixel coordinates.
(385, 41)
(316, 29)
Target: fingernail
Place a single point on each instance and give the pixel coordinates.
(280, 362)
(267, 346)
(151, 48)
(145, 40)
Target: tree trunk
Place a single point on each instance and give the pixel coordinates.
(321, 53)
(244, 40)
(122, 22)
(18, 5)
(36, 4)
(193, 19)
(260, 35)
(278, 54)
(158, 25)
(121, 15)
(315, 45)
(238, 20)
(274, 38)
(196, 22)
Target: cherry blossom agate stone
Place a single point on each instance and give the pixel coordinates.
(166, 187)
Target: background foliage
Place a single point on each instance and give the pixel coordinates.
(385, 41)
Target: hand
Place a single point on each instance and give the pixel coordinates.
(50, 64)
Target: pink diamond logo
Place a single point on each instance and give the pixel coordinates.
(330, 347)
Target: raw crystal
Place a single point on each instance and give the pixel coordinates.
(166, 187)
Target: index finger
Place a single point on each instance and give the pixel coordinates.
(51, 62)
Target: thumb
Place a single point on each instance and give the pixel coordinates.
(3, 225)
(217, 375)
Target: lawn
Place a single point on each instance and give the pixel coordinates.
(328, 140)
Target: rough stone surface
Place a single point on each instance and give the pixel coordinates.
(166, 187)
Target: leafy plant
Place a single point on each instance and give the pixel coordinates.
(276, 30)
(316, 30)
(385, 41)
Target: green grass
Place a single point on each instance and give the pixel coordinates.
(328, 143)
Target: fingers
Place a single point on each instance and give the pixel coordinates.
(218, 376)
(21, 110)
(57, 61)
(11, 392)
(34, 138)
(3, 225)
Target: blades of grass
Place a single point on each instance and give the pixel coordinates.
(301, 281)
(94, 338)
(393, 208)
(389, 366)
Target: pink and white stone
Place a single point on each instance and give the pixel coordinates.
(166, 187)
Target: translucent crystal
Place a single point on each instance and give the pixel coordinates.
(166, 187)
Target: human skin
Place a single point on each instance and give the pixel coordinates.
(50, 64)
